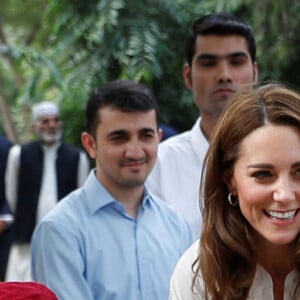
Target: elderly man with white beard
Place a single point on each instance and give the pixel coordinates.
(39, 173)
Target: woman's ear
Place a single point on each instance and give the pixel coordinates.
(228, 180)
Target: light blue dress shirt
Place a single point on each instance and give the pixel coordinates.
(88, 248)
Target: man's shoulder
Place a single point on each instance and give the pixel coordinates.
(35, 143)
(172, 220)
(28, 149)
(5, 143)
(178, 143)
(177, 139)
(67, 208)
(166, 208)
(69, 147)
(69, 152)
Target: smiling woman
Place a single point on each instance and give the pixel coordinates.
(249, 247)
(267, 183)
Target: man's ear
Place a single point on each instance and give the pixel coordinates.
(187, 78)
(255, 72)
(160, 134)
(89, 144)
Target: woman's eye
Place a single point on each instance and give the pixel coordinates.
(262, 174)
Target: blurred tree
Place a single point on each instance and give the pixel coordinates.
(275, 25)
(60, 50)
(143, 41)
(27, 74)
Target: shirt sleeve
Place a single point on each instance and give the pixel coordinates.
(57, 261)
(11, 176)
(83, 169)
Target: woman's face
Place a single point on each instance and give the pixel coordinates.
(266, 180)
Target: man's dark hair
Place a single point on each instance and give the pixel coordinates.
(125, 95)
(218, 24)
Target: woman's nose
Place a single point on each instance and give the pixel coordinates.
(284, 191)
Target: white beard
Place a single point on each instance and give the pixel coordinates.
(50, 137)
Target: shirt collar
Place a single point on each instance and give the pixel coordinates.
(199, 142)
(147, 198)
(53, 147)
(98, 196)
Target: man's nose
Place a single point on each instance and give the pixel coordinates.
(224, 72)
(54, 123)
(134, 149)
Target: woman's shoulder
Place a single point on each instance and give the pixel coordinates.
(189, 256)
(183, 275)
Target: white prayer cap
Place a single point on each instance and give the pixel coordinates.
(43, 109)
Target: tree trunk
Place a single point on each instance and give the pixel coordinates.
(7, 121)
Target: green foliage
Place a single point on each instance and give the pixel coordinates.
(275, 25)
(118, 39)
(60, 50)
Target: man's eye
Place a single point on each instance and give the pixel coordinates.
(147, 136)
(208, 63)
(237, 61)
(118, 138)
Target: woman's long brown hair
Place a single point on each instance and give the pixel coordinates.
(227, 261)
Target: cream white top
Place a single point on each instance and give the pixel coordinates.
(262, 287)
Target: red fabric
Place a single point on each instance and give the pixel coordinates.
(25, 291)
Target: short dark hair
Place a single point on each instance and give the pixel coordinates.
(125, 95)
(219, 24)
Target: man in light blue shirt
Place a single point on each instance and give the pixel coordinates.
(110, 240)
